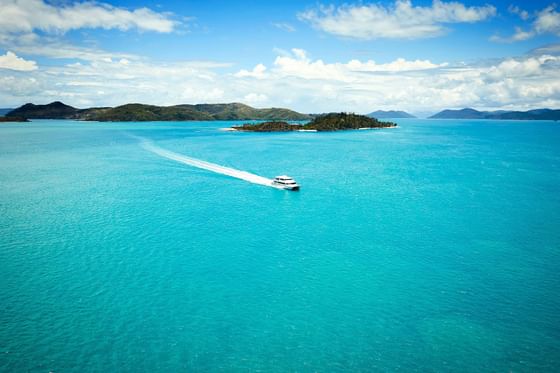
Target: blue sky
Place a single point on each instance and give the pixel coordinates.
(311, 56)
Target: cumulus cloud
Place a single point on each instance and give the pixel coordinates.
(400, 64)
(114, 81)
(548, 21)
(257, 72)
(25, 16)
(515, 68)
(297, 80)
(255, 98)
(545, 21)
(13, 62)
(299, 64)
(402, 20)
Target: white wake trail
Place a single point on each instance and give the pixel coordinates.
(243, 175)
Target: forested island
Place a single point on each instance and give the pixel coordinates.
(327, 122)
(147, 113)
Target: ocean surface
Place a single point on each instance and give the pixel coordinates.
(431, 247)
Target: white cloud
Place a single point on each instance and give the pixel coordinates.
(523, 14)
(35, 27)
(255, 98)
(257, 72)
(516, 68)
(25, 16)
(284, 26)
(548, 21)
(547, 49)
(400, 64)
(298, 64)
(13, 62)
(402, 20)
(519, 35)
(52, 47)
(545, 21)
(135, 81)
(298, 81)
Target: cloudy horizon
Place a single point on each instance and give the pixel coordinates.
(417, 56)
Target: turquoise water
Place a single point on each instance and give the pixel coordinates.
(431, 247)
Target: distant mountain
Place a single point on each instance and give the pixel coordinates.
(459, 114)
(4, 111)
(142, 112)
(54, 110)
(381, 114)
(537, 114)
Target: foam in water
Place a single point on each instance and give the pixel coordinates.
(243, 175)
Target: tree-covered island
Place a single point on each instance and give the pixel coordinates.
(327, 122)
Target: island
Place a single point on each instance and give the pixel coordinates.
(468, 113)
(149, 113)
(327, 122)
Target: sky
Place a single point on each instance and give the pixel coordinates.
(311, 56)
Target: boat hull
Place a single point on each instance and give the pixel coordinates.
(286, 187)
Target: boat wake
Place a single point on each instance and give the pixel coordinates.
(238, 174)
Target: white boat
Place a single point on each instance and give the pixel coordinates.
(285, 182)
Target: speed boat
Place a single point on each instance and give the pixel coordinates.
(285, 182)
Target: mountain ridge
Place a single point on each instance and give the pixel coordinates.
(136, 112)
(469, 113)
(383, 114)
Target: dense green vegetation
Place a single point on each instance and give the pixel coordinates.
(345, 121)
(141, 112)
(269, 127)
(327, 122)
(146, 113)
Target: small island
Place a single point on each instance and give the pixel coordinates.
(327, 122)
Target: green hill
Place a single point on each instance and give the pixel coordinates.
(147, 113)
(237, 111)
(143, 113)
